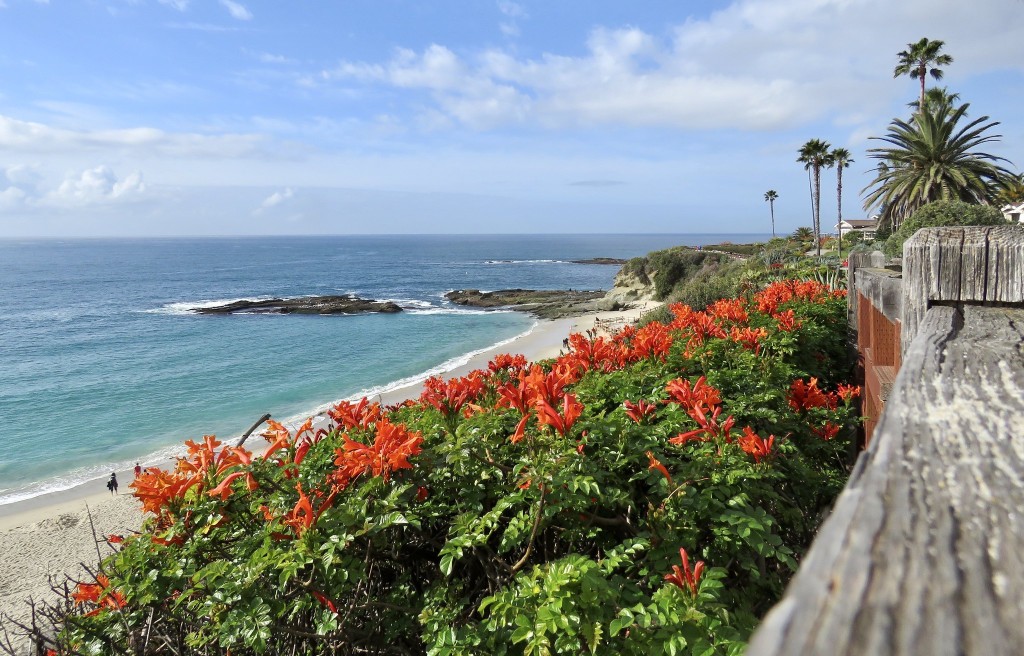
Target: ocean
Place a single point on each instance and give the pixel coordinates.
(103, 364)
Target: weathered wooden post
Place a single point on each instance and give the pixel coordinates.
(924, 550)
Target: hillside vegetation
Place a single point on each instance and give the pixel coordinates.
(644, 493)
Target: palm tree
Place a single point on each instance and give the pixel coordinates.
(934, 98)
(803, 233)
(933, 158)
(920, 60)
(1011, 190)
(814, 155)
(841, 159)
(770, 197)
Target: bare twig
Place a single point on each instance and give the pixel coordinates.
(247, 433)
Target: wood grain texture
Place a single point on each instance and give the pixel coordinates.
(924, 551)
(960, 264)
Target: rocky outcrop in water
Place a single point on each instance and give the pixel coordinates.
(304, 305)
(601, 260)
(547, 304)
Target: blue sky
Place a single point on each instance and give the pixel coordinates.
(197, 117)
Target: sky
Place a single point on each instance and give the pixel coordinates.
(244, 117)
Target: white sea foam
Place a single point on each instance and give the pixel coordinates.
(526, 262)
(441, 369)
(453, 310)
(189, 307)
(83, 475)
(164, 456)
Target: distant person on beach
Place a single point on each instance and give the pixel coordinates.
(138, 470)
(112, 483)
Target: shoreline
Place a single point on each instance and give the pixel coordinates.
(51, 534)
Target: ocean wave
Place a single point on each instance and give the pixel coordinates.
(190, 307)
(526, 262)
(445, 367)
(163, 457)
(455, 310)
(86, 475)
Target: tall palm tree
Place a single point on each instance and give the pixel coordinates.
(841, 159)
(770, 197)
(933, 158)
(920, 60)
(814, 155)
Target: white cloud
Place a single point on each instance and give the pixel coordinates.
(268, 58)
(180, 5)
(30, 137)
(237, 10)
(277, 198)
(25, 187)
(96, 185)
(511, 9)
(754, 65)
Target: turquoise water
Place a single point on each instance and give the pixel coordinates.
(103, 364)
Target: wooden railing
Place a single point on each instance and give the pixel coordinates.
(924, 550)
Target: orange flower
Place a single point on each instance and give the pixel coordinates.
(729, 310)
(392, 447)
(804, 396)
(563, 423)
(750, 338)
(787, 321)
(450, 396)
(652, 341)
(848, 392)
(355, 415)
(301, 517)
(686, 579)
(506, 362)
(100, 594)
(757, 447)
(656, 464)
(640, 411)
(589, 354)
(828, 431)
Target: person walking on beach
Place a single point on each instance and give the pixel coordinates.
(112, 483)
(138, 470)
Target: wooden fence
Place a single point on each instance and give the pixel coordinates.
(924, 550)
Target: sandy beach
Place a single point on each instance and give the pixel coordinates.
(52, 535)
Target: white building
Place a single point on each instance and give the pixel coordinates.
(1014, 213)
(865, 227)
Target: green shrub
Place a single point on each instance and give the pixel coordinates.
(708, 285)
(519, 510)
(942, 213)
(672, 267)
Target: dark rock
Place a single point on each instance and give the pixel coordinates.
(548, 304)
(304, 305)
(601, 260)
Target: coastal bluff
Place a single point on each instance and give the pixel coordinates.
(303, 305)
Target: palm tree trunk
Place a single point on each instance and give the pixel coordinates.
(817, 209)
(771, 206)
(839, 205)
(810, 192)
(923, 70)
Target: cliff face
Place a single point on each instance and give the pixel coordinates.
(630, 286)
